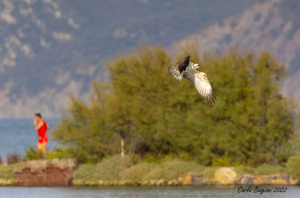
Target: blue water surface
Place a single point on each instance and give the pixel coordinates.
(16, 135)
(130, 192)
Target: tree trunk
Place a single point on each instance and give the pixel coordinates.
(122, 146)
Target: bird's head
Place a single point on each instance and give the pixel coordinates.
(196, 66)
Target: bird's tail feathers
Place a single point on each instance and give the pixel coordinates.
(175, 73)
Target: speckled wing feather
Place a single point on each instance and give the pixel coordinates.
(202, 85)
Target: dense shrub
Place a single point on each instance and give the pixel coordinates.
(269, 169)
(174, 169)
(117, 170)
(137, 172)
(158, 158)
(85, 175)
(221, 161)
(209, 173)
(225, 161)
(109, 169)
(243, 170)
(264, 169)
(7, 172)
(33, 154)
(293, 166)
(60, 153)
(120, 169)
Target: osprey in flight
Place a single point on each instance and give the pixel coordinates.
(186, 69)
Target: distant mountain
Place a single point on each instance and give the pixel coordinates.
(273, 25)
(52, 48)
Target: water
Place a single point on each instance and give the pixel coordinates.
(132, 192)
(19, 134)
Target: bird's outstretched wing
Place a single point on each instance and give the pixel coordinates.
(183, 63)
(177, 70)
(202, 85)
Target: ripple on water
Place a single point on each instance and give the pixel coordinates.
(130, 192)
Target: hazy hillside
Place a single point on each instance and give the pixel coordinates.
(52, 48)
(273, 25)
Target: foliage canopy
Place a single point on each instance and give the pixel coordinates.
(251, 122)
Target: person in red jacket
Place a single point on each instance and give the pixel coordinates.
(41, 127)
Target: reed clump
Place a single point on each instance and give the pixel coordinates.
(13, 158)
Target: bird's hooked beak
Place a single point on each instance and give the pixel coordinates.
(197, 66)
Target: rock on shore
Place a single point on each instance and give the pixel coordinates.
(55, 172)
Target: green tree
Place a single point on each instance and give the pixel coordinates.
(250, 122)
